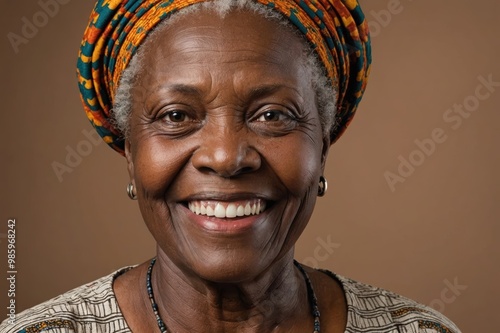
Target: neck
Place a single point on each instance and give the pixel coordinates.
(274, 301)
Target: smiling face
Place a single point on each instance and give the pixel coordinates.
(226, 149)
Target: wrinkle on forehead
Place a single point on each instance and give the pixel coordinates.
(191, 51)
(207, 32)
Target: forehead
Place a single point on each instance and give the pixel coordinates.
(239, 38)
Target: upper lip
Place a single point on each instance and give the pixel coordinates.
(226, 196)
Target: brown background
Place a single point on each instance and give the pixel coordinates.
(440, 225)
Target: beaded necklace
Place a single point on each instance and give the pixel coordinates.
(313, 301)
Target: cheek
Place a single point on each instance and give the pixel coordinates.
(296, 162)
(156, 165)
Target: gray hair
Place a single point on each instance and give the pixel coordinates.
(325, 91)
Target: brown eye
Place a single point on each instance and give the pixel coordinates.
(176, 116)
(274, 121)
(271, 116)
(177, 122)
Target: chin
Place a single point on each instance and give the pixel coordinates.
(225, 266)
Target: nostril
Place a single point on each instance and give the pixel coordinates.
(226, 172)
(206, 170)
(246, 169)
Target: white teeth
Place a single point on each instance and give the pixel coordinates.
(248, 210)
(220, 212)
(240, 211)
(229, 210)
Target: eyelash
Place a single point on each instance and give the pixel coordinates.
(173, 113)
(258, 116)
(274, 112)
(187, 121)
(273, 120)
(282, 121)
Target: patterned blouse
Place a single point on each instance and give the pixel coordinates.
(93, 308)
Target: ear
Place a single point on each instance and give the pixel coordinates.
(324, 152)
(130, 161)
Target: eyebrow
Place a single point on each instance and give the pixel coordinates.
(254, 93)
(184, 89)
(264, 90)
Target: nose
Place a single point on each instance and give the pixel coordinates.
(226, 152)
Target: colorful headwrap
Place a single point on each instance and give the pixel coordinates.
(336, 29)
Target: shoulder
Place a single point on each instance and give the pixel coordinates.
(88, 308)
(371, 308)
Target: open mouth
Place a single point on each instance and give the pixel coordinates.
(223, 209)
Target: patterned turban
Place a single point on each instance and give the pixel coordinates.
(336, 29)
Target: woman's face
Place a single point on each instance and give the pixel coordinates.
(227, 124)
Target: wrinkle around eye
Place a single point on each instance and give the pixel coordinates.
(161, 122)
(281, 122)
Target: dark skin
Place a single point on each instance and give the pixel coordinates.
(228, 117)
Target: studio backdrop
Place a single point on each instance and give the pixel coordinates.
(414, 189)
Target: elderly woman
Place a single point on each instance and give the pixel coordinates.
(225, 111)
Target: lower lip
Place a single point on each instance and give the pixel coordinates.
(233, 225)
